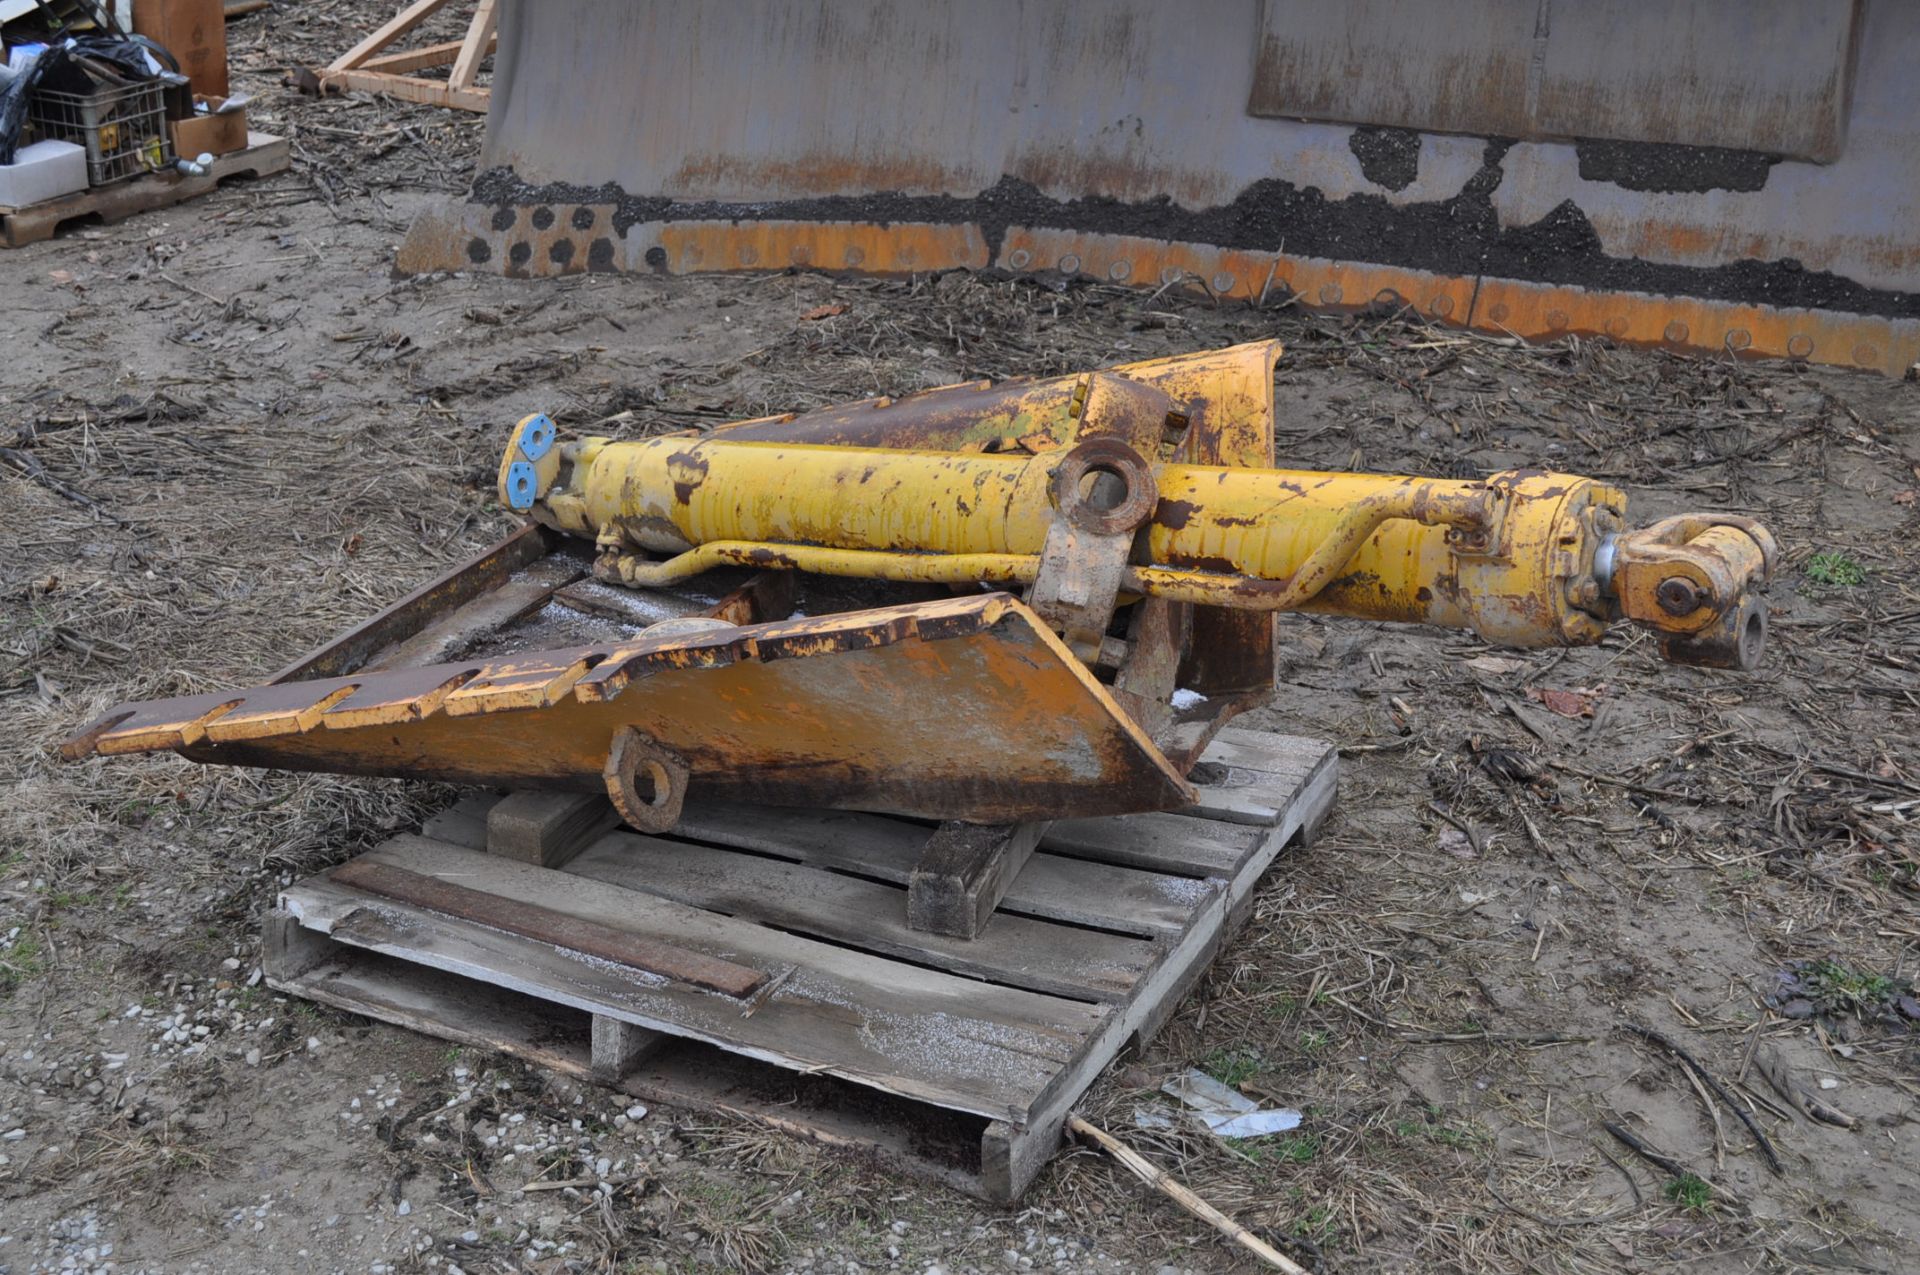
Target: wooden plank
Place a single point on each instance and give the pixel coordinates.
(451, 635)
(1158, 842)
(617, 1046)
(1051, 886)
(387, 32)
(530, 920)
(427, 55)
(900, 1134)
(464, 823)
(1253, 775)
(1016, 951)
(951, 1041)
(547, 828)
(477, 45)
(407, 89)
(264, 156)
(963, 872)
(1285, 756)
(1013, 1154)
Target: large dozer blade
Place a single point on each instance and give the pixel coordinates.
(967, 708)
(1723, 176)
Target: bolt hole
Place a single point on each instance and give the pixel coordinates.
(1753, 638)
(1104, 488)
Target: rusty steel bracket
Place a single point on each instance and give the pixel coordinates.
(1692, 578)
(632, 758)
(1102, 491)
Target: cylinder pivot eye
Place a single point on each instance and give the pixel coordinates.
(1104, 486)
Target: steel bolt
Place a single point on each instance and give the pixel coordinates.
(1678, 596)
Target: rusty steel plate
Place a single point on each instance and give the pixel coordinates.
(960, 709)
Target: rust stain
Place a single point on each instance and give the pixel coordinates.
(869, 247)
(1174, 514)
(688, 470)
(1696, 326)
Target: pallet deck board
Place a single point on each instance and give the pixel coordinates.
(1015, 950)
(1051, 886)
(264, 155)
(872, 1035)
(946, 1040)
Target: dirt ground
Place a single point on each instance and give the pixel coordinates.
(226, 432)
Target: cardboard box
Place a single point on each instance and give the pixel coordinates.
(215, 133)
(195, 32)
(42, 171)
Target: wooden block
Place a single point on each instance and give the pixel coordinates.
(288, 949)
(617, 1046)
(964, 873)
(547, 828)
(464, 823)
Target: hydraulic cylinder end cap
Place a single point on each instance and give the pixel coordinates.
(535, 436)
(531, 464)
(521, 486)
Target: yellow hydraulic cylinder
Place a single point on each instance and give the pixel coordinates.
(1495, 556)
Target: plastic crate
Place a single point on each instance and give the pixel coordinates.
(124, 129)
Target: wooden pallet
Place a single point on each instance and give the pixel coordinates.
(373, 67)
(957, 1059)
(264, 156)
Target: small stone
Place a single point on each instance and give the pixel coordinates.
(406, 1207)
(1799, 1007)
(253, 1058)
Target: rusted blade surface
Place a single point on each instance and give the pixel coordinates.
(961, 709)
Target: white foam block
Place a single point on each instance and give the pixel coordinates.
(44, 170)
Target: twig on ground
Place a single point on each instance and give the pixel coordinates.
(1646, 1151)
(1493, 1038)
(1781, 1077)
(1155, 1177)
(1719, 1091)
